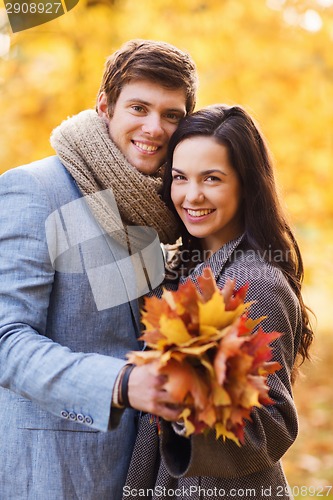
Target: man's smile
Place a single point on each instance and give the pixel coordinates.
(149, 148)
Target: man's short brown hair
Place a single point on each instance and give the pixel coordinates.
(158, 62)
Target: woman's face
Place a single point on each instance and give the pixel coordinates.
(206, 191)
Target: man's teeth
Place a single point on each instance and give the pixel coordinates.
(146, 147)
(199, 213)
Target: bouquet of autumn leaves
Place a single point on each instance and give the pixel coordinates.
(215, 366)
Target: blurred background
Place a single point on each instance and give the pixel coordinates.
(274, 57)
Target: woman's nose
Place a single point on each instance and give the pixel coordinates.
(194, 194)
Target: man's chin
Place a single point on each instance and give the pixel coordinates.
(146, 167)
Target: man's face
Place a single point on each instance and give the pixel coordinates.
(144, 118)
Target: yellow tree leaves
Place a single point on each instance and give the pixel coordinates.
(204, 343)
(246, 53)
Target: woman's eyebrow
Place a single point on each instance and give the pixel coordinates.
(204, 172)
(213, 171)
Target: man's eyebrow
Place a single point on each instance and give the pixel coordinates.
(138, 99)
(147, 103)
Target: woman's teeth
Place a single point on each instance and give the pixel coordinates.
(199, 213)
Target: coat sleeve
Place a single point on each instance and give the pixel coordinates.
(274, 427)
(31, 364)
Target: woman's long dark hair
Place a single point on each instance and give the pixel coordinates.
(265, 226)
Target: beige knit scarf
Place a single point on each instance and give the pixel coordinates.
(83, 145)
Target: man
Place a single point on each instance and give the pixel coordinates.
(74, 258)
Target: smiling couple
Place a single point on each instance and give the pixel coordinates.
(70, 284)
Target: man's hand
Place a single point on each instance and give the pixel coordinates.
(146, 392)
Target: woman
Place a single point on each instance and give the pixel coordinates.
(219, 182)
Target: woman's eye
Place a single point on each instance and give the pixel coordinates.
(212, 178)
(178, 177)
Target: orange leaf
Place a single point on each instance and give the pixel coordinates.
(229, 346)
(184, 380)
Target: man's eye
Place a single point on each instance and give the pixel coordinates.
(173, 117)
(137, 108)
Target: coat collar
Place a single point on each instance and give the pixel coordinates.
(217, 261)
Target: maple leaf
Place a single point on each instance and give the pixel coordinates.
(174, 331)
(259, 383)
(237, 381)
(207, 284)
(233, 298)
(184, 382)
(185, 300)
(153, 308)
(220, 395)
(221, 430)
(258, 346)
(143, 357)
(207, 415)
(216, 358)
(228, 346)
(185, 416)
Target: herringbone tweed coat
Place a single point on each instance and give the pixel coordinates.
(168, 465)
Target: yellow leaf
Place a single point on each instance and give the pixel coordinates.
(143, 357)
(207, 331)
(188, 425)
(220, 396)
(221, 430)
(197, 350)
(174, 330)
(212, 314)
(249, 397)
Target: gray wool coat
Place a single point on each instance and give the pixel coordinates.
(63, 340)
(167, 465)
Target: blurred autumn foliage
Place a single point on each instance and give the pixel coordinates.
(274, 57)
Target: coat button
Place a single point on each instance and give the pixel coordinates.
(72, 416)
(80, 417)
(88, 420)
(65, 414)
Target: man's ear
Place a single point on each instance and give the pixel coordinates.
(102, 106)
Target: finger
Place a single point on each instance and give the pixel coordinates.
(171, 410)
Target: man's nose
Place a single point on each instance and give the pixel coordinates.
(153, 125)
